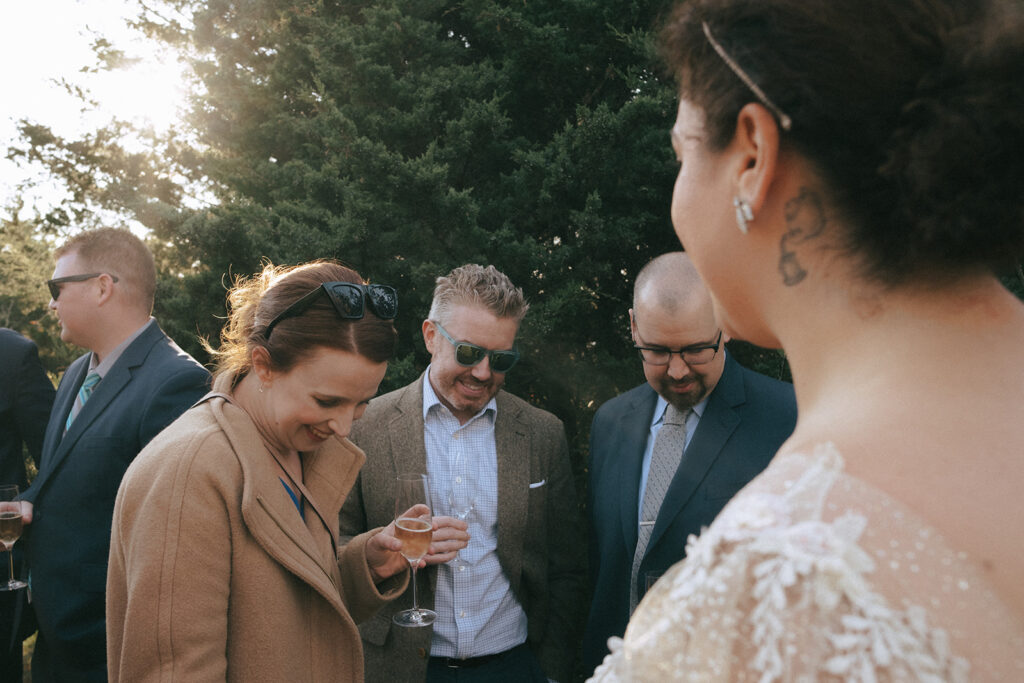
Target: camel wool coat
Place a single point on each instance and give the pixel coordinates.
(214, 576)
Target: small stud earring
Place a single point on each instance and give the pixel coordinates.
(743, 214)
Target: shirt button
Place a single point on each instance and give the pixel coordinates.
(458, 480)
(462, 567)
(462, 613)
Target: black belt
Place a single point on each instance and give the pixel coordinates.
(470, 662)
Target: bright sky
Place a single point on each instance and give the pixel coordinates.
(42, 41)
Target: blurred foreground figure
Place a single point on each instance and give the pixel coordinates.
(849, 183)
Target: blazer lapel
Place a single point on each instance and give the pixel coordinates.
(512, 446)
(405, 431)
(73, 378)
(271, 518)
(716, 426)
(635, 427)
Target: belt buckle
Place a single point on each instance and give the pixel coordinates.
(453, 662)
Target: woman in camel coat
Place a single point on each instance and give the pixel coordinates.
(224, 561)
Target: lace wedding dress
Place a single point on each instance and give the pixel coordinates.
(812, 575)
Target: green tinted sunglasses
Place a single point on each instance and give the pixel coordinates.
(467, 355)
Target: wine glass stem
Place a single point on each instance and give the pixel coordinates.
(415, 603)
(10, 563)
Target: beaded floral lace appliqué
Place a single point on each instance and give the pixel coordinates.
(771, 592)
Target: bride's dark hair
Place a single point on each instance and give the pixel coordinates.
(911, 110)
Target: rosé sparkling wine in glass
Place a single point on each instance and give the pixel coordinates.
(414, 528)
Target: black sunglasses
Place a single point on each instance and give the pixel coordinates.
(348, 298)
(55, 283)
(467, 355)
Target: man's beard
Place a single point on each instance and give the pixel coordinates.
(684, 401)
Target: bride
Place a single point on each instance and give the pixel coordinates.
(850, 180)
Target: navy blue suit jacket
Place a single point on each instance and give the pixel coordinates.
(746, 419)
(67, 543)
(26, 396)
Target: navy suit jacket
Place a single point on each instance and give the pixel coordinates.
(26, 395)
(746, 419)
(67, 543)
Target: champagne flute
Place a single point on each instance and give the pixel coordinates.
(414, 528)
(460, 497)
(10, 531)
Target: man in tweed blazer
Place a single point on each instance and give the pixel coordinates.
(511, 610)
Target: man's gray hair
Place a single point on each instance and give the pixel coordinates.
(474, 285)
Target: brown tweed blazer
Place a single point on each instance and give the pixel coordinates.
(540, 536)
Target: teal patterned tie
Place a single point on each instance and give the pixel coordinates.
(91, 380)
(665, 458)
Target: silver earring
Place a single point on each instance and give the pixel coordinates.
(743, 213)
(261, 387)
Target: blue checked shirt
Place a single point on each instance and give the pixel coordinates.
(477, 613)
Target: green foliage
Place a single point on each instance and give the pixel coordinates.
(404, 138)
(25, 265)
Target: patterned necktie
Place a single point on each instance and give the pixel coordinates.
(91, 380)
(665, 459)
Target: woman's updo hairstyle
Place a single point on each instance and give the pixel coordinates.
(912, 111)
(253, 302)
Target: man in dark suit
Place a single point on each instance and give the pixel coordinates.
(722, 425)
(26, 396)
(132, 383)
(510, 609)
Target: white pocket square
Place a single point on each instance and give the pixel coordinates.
(537, 485)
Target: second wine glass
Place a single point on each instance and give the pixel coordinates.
(414, 528)
(10, 531)
(461, 497)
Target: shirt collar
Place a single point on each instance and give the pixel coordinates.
(431, 400)
(103, 368)
(662, 404)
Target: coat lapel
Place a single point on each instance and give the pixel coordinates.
(716, 426)
(72, 380)
(269, 513)
(635, 427)
(512, 445)
(405, 431)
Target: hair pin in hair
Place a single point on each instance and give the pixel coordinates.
(784, 119)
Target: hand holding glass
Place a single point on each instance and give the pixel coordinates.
(10, 531)
(414, 528)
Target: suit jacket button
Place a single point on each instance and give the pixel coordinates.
(422, 653)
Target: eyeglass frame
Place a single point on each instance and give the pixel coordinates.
(484, 353)
(342, 307)
(52, 285)
(694, 348)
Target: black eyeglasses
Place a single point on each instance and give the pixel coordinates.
(467, 355)
(349, 300)
(698, 354)
(55, 283)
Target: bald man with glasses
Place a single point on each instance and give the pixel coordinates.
(509, 604)
(666, 456)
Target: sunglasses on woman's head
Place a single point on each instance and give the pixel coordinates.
(349, 299)
(467, 355)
